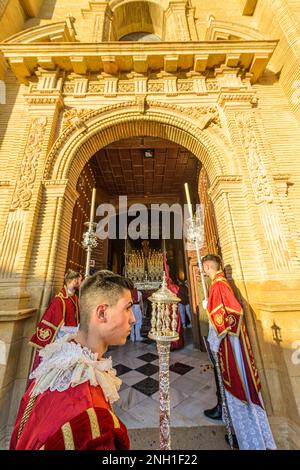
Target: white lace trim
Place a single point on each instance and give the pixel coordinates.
(67, 364)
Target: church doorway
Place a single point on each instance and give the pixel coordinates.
(149, 171)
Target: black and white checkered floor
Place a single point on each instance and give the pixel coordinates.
(192, 387)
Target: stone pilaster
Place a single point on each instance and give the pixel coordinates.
(100, 17)
(176, 22)
(256, 165)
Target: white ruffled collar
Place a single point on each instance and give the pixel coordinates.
(67, 364)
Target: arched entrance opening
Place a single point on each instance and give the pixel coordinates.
(99, 129)
(151, 172)
(96, 129)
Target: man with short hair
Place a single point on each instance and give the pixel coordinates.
(228, 337)
(68, 406)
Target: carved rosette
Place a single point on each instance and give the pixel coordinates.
(23, 192)
(72, 117)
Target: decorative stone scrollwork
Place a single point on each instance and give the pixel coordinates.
(212, 85)
(126, 87)
(185, 86)
(155, 87)
(70, 116)
(96, 88)
(69, 88)
(23, 192)
(204, 114)
(261, 186)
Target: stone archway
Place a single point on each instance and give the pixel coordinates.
(88, 131)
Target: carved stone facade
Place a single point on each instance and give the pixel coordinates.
(23, 192)
(224, 86)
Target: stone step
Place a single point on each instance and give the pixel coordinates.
(182, 438)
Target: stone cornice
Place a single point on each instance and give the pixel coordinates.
(48, 99)
(236, 98)
(279, 307)
(62, 31)
(117, 57)
(61, 188)
(225, 183)
(15, 315)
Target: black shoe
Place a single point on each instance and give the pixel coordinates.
(214, 413)
(234, 439)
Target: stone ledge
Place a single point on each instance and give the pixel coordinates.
(279, 307)
(15, 315)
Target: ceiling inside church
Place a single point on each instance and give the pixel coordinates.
(122, 168)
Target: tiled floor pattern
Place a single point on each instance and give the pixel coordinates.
(192, 387)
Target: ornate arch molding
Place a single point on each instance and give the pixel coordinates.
(225, 30)
(142, 16)
(62, 31)
(90, 130)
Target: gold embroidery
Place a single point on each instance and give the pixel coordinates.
(231, 320)
(93, 423)
(47, 323)
(251, 362)
(115, 420)
(68, 436)
(26, 415)
(215, 309)
(219, 319)
(43, 334)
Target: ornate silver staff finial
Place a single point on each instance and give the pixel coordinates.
(163, 331)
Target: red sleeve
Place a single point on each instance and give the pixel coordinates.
(93, 429)
(49, 324)
(224, 310)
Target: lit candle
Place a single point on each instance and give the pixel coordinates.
(93, 205)
(187, 193)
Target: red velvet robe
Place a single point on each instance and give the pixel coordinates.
(78, 418)
(63, 310)
(226, 316)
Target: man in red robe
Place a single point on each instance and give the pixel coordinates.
(68, 406)
(228, 337)
(62, 315)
